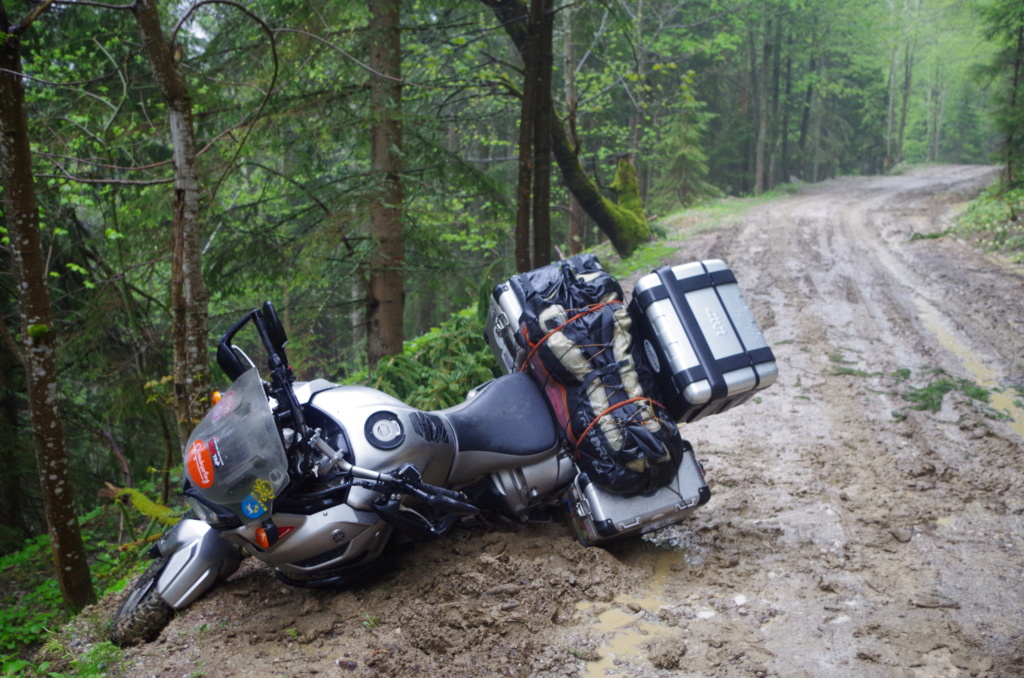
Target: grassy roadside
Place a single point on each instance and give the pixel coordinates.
(995, 221)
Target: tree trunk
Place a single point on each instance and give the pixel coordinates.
(385, 309)
(805, 120)
(39, 342)
(524, 184)
(544, 21)
(626, 228)
(760, 169)
(569, 70)
(1015, 82)
(890, 115)
(773, 114)
(189, 296)
(908, 73)
(785, 110)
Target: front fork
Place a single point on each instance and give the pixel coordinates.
(197, 559)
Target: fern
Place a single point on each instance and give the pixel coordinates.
(143, 504)
(437, 369)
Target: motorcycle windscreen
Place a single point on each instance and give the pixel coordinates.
(235, 457)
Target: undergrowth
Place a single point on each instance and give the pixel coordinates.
(31, 606)
(436, 370)
(996, 220)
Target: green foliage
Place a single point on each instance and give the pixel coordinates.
(437, 369)
(101, 660)
(645, 258)
(1003, 25)
(680, 158)
(995, 219)
(929, 397)
(147, 507)
(31, 606)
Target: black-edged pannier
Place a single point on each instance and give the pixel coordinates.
(700, 339)
(597, 516)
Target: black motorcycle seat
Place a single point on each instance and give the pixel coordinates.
(510, 415)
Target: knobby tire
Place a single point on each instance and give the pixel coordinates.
(143, 614)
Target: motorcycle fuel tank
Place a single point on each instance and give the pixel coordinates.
(385, 433)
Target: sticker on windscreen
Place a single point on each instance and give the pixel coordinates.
(253, 507)
(200, 464)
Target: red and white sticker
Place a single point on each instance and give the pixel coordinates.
(200, 464)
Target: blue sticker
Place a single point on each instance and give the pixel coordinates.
(253, 507)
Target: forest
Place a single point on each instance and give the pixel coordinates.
(374, 168)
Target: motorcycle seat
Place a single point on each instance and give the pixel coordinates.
(511, 415)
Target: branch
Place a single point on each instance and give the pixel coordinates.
(270, 88)
(293, 182)
(352, 58)
(70, 83)
(87, 3)
(30, 18)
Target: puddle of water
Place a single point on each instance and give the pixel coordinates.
(626, 631)
(983, 375)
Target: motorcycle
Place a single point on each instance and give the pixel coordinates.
(318, 480)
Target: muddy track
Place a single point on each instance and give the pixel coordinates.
(847, 535)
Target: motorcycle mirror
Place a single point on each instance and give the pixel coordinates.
(233, 361)
(230, 358)
(275, 330)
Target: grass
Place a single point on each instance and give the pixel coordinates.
(839, 358)
(646, 258)
(993, 220)
(926, 398)
(930, 396)
(914, 237)
(100, 661)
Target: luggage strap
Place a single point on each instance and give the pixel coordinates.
(536, 347)
(586, 431)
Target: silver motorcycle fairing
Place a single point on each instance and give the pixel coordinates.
(322, 541)
(197, 559)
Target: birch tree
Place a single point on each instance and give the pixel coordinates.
(189, 295)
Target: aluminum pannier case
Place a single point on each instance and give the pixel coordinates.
(701, 339)
(598, 516)
(502, 325)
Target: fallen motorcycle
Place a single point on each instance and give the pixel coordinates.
(317, 480)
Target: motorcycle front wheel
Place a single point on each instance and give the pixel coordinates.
(143, 614)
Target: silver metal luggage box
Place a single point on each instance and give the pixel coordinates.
(502, 324)
(700, 339)
(598, 516)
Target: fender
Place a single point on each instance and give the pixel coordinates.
(197, 559)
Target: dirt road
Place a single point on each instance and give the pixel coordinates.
(847, 535)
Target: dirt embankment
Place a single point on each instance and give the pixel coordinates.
(847, 535)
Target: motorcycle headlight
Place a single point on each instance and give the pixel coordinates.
(202, 511)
